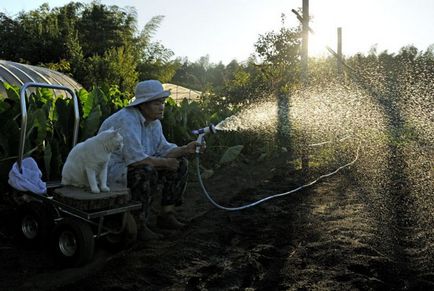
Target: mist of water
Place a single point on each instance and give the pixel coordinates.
(395, 171)
(261, 117)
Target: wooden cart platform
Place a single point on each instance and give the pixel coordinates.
(85, 200)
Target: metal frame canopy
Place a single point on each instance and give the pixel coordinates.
(18, 74)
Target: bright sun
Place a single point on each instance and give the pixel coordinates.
(357, 33)
(318, 44)
(324, 35)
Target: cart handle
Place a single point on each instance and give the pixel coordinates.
(24, 114)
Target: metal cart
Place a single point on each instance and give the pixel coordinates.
(70, 219)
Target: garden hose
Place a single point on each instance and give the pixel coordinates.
(213, 202)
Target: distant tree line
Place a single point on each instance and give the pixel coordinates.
(97, 45)
(101, 46)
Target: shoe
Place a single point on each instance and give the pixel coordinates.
(169, 221)
(146, 234)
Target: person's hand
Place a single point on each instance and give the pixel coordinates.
(190, 148)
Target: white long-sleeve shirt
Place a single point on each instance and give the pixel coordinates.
(141, 140)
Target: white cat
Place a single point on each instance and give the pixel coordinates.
(88, 161)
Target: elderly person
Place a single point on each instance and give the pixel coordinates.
(148, 163)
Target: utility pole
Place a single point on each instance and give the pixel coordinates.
(305, 43)
(305, 29)
(339, 54)
(305, 78)
(304, 75)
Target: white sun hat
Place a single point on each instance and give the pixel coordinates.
(147, 91)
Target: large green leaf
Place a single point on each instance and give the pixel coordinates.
(63, 120)
(45, 95)
(86, 101)
(41, 123)
(91, 123)
(13, 92)
(231, 154)
(117, 98)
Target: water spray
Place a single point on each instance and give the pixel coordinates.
(212, 129)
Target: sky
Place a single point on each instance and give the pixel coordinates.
(228, 29)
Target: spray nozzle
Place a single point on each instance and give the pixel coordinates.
(210, 128)
(201, 138)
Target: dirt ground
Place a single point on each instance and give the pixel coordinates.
(321, 238)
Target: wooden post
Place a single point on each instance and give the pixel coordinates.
(305, 43)
(305, 79)
(339, 57)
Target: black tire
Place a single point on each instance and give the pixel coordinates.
(72, 242)
(126, 238)
(34, 224)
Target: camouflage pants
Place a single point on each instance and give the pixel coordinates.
(145, 182)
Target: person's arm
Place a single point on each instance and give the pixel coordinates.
(169, 162)
(189, 148)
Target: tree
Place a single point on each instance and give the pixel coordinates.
(280, 56)
(156, 63)
(9, 29)
(112, 68)
(38, 29)
(104, 27)
(94, 43)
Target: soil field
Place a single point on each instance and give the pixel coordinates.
(321, 238)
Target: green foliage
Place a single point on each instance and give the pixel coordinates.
(280, 54)
(97, 45)
(96, 106)
(50, 122)
(147, 32)
(193, 75)
(275, 71)
(102, 28)
(180, 119)
(156, 64)
(9, 129)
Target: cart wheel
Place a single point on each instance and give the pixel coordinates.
(73, 242)
(34, 223)
(126, 238)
